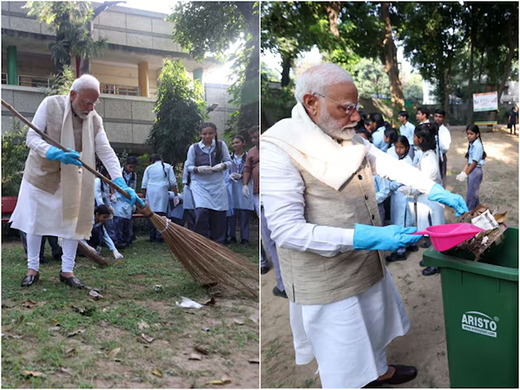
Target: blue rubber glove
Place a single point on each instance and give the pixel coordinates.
(383, 238)
(134, 198)
(439, 194)
(56, 154)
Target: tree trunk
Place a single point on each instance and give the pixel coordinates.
(249, 103)
(333, 9)
(480, 66)
(513, 27)
(287, 62)
(470, 78)
(447, 90)
(390, 60)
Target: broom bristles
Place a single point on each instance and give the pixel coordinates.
(207, 261)
(92, 255)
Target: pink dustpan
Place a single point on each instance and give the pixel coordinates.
(444, 237)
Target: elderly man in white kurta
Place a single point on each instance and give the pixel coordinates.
(319, 201)
(57, 195)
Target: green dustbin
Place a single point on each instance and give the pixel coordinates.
(481, 313)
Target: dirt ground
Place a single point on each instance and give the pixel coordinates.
(424, 346)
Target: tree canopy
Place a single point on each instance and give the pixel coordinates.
(179, 109)
(205, 28)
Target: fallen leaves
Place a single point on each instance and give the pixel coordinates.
(201, 349)
(76, 332)
(224, 381)
(157, 372)
(146, 338)
(238, 321)
(254, 361)
(113, 353)
(143, 325)
(34, 374)
(94, 294)
(195, 356)
(29, 304)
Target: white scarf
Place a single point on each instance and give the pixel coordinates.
(77, 186)
(325, 159)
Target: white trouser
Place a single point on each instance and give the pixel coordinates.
(257, 205)
(34, 243)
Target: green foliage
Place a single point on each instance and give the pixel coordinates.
(370, 79)
(277, 103)
(179, 111)
(412, 87)
(59, 84)
(205, 28)
(68, 20)
(14, 154)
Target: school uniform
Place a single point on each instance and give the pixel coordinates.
(102, 197)
(444, 142)
(157, 180)
(378, 139)
(123, 231)
(187, 199)
(400, 213)
(242, 206)
(270, 250)
(407, 130)
(209, 190)
(176, 213)
(475, 152)
(429, 213)
(382, 187)
(99, 236)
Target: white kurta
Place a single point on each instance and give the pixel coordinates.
(347, 336)
(157, 180)
(428, 210)
(40, 212)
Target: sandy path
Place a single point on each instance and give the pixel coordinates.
(424, 345)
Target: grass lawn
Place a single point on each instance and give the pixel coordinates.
(68, 339)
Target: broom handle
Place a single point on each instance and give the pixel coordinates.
(59, 146)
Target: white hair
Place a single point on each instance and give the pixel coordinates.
(318, 78)
(85, 81)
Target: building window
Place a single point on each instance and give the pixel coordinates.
(4, 78)
(113, 89)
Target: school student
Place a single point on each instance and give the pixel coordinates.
(473, 170)
(377, 127)
(158, 178)
(242, 205)
(207, 161)
(99, 234)
(187, 199)
(103, 195)
(123, 229)
(429, 213)
(390, 137)
(443, 142)
(407, 130)
(399, 204)
(252, 169)
(382, 187)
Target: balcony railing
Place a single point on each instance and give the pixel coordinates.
(33, 81)
(4, 78)
(114, 89)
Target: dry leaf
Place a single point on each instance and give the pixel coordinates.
(79, 309)
(76, 332)
(146, 338)
(70, 351)
(31, 373)
(255, 360)
(157, 372)
(143, 325)
(113, 353)
(224, 381)
(501, 218)
(56, 328)
(202, 350)
(238, 321)
(105, 309)
(29, 304)
(217, 382)
(195, 356)
(62, 370)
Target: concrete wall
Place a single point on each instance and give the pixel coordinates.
(121, 75)
(217, 93)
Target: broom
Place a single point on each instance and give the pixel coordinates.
(92, 254)
(206, 261)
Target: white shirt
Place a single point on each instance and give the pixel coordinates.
(444, 139)
(283, 199)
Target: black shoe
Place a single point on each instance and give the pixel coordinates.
(429, 271)
(43, 260)
(73, 281)
(413, 248)
(264, 270)
(232, 240)
(279, 293)
(394, 256)
(421, 263)
(244, 242)
(29, 280)
(402, 374)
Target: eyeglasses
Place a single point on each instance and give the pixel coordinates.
(349, 108)
(94, 104)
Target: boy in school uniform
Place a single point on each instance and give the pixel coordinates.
(444, 142)
(407, 130)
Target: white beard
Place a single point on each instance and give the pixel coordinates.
(332, 129)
